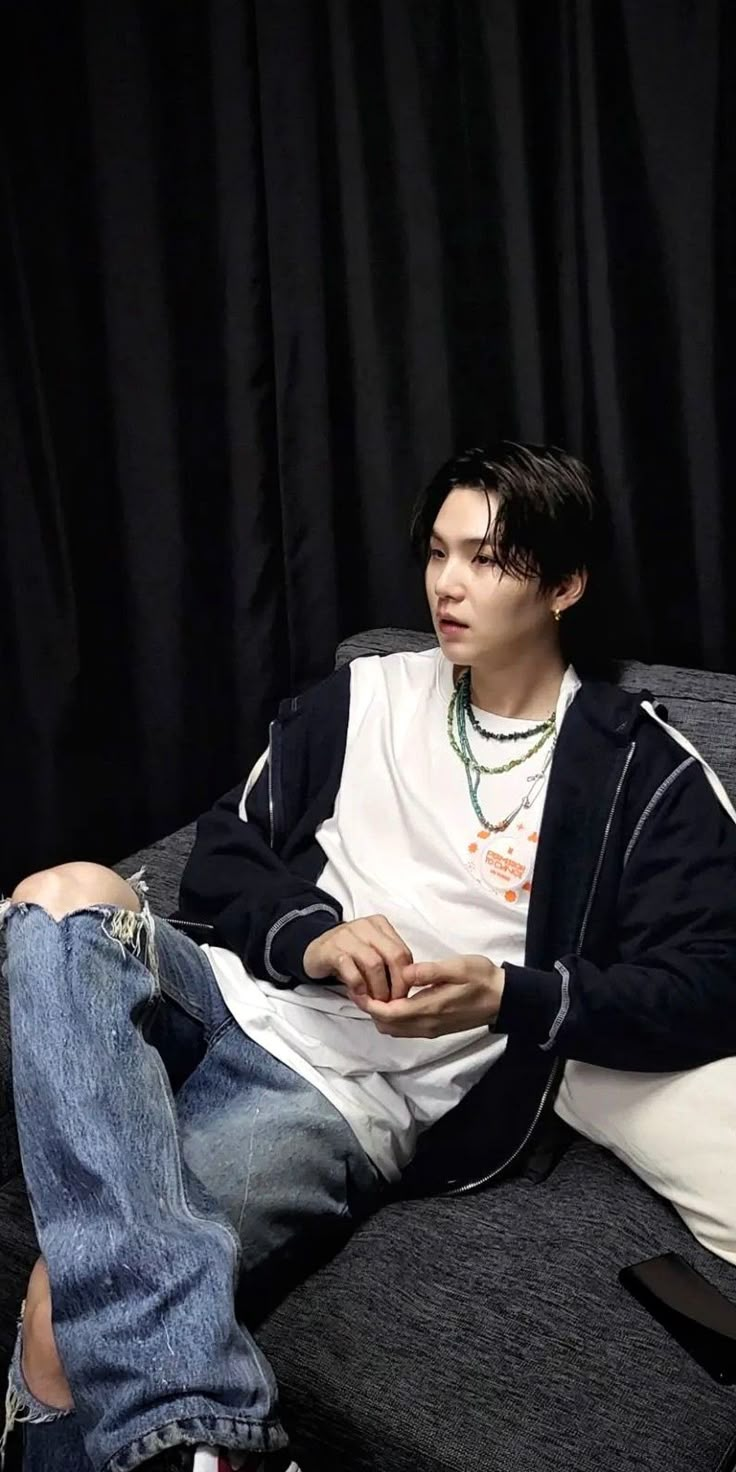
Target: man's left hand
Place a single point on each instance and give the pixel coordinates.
(457, 994)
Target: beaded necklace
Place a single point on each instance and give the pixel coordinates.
(503, 735)
(457, 715)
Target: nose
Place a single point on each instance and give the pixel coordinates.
(448, 581)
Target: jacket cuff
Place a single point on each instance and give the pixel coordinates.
(534, 1003)
(288, 939)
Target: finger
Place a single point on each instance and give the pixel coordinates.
(353, 979)
(371, 966)
(402, 949)
(385, 1011)
(405, 1011)
(400, 985)
(400, 1019)
(395, 952)
(434, 973)
(396, 968)
(403, 980)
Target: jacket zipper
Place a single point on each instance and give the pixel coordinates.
(485, 1180)
(270, 779)
(556, 1066)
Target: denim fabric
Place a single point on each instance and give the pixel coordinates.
(155, 1209)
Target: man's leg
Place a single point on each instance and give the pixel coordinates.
(141, 1263)
(280, 1160)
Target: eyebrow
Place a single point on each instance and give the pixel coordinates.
(464, 541)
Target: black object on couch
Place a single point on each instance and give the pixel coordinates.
(484, 1332)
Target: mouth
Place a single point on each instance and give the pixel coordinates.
(450, 627)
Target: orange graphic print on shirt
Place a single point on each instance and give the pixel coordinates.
(504, 862)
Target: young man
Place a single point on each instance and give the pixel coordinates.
(450, 872)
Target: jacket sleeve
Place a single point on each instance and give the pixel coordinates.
(235, 881)
(669, 1001)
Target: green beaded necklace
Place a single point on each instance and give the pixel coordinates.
(502, 735)
(457, 715)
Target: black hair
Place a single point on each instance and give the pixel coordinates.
(550, 521)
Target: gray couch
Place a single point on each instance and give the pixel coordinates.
(486, 1332)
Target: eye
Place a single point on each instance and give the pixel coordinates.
(483, 559)
(435, 553)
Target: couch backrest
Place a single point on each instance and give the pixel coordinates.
(699, 703)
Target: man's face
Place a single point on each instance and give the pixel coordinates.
(481, 615)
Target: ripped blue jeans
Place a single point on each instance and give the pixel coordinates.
(169, 1217)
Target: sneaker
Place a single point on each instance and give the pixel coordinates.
(210, 1459)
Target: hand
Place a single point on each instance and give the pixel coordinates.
(457, 994)
(366, 955)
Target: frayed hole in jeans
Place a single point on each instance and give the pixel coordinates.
(134, 931)
(17, 1409)
(138, 883)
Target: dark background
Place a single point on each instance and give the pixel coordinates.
(263, 265)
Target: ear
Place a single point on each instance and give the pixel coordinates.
(569, 591)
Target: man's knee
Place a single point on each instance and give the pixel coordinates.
(43, 1371)
(70, 887)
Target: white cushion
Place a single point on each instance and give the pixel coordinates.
(675, 1130)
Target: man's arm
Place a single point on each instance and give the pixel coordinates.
(669, 1002)
(235, 880)
(285, 929)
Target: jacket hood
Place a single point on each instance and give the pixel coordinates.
(611, 709)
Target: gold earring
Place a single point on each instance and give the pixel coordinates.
(556, 615)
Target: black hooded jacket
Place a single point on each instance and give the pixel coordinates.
(631, 940)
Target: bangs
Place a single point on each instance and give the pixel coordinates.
(545, 525)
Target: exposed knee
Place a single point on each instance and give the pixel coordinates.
(69, 887)
(43, 1371)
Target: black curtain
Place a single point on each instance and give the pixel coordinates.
(263, 265)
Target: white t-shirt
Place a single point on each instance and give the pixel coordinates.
(404, 842)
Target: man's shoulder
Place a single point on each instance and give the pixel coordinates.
(418, 665)
(367, 672)
(666, 769)
(319, 697)
(627, 719)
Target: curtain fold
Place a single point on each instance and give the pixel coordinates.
(263, 265)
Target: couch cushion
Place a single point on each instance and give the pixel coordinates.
(489, 1332)
(676, 1130)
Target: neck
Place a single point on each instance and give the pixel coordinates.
(524, 687)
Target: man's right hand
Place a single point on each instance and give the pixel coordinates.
(366, 955)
